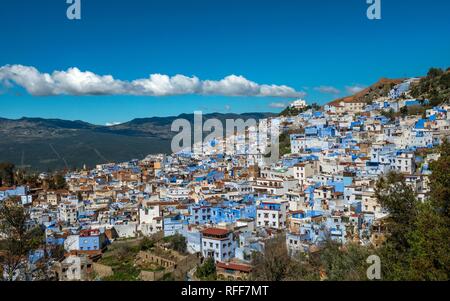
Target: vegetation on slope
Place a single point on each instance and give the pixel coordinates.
(435, 87)
(417, 245)
(292, 111)
(285, 144)
(207, 271)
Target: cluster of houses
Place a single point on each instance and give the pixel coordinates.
(228, 205)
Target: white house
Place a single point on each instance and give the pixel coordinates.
(218, 244)
(272, 214)
(150, 218)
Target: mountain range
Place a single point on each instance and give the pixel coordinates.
(51, 144)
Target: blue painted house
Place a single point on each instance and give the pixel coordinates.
(92, 240)
(229, 212)
(173, 224)
(199, 214)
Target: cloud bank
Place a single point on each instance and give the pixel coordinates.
(81, 83)
(327, 90)
(278, 105)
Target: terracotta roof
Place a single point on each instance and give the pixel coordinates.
(234, 266)
(215, 231)
(90, 232)
(162, 203)
(6, 188)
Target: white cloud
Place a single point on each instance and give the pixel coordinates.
(354, 89)
(76, 82)
(327, 90)
(72, 81)
(113, 123)
(278, 105)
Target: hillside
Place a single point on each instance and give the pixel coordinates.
(434, 87)
(49, 144)
(377, 90)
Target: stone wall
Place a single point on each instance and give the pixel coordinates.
(151, 276)
(102, 270)
(149, 257)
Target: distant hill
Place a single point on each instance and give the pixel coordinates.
(435, 86)
(377, 90)
(50, 144)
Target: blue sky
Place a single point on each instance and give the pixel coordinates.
(319, 47)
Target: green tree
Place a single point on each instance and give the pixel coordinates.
(435, 87)
(343, 263)
(274, 263)
(23, 177)
(399, 199)
(6, 174)
(336, 261)
(430, 240)
(146, 244)
(435, 72)
(285, 144)
(20, 238)
(316, 107)
(178, 243)
(418, 241)
(429, 254)
(389, 114)
(440, 181)
(58, 182)
(404, 111)
(207, 271)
